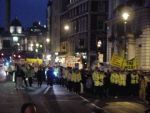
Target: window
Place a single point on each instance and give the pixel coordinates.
(81, 43)
(94, 7)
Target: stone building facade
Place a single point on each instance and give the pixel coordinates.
(86, 21)
(137, 31)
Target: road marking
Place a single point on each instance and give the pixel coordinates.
(46, 90)
(84, 99)
(96, 106)
(92, 103)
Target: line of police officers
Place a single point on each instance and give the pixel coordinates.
(117, 83)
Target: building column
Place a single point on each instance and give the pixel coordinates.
(144, 23)
(130, 47)
(145, 49)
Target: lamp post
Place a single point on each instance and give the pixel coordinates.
(45, 45)
(125, 17)
(99, 45)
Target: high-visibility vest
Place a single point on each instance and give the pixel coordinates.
(134, 79)
(95, 77)
(78, 77)
(101, 79)
(112, 78)
(122, 80)
(73, 77)
(66, 73)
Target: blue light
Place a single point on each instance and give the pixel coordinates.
(7, 63)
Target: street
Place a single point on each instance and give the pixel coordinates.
(59, 100)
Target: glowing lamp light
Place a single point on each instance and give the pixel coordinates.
(125, 16)
(14, 55)
(48, 57)
(36, 50)
(18, 44)
(56, 53)
(2, 54)
(66, 27)
(15, 39)
(99, 43)
(47, 40)
(37, 45)
(41, 46)
(19, 56)
(31, 45)
(57, 59)
(84, 57)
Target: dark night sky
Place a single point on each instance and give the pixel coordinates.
(26, 11)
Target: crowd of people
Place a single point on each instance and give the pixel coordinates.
(105, 84)
(97, 83)
(25, 74)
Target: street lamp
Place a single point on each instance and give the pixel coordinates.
(37, 45)
(99, 44)
(99, 55)
(47, 40)
(66, 27)
(125, 17)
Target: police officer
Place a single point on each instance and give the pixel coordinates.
(96, 77)
(101, 86)
(135, 83)
(78, 81)
(122, 83)
(73, 80)
(107, 83)
(114, 83)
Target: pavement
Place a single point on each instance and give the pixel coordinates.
(11, 98)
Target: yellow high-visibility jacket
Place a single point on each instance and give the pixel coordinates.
(134, 79)
(73, 78)
(101, 78)
(78, 77)
(66, 73)
(96, 78)
(122, 79)
(114, 78)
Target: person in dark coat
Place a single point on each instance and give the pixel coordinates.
(107, 84)
(128, 84)
(40, 76)
(50, 76)
(19, 74)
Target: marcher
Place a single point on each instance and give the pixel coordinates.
(96, 80)
(107, 83)
(114, 83)
(78, 81)
(135, 83)
(69, 79)
(39, 76)
(30, 74)
(84, 77)
(50, 76)
(128, 84)
(24, 69)
(28, 108)
(19, 77)
(89, 84)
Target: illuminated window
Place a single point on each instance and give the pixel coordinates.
(12, 29)
(19, 30)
